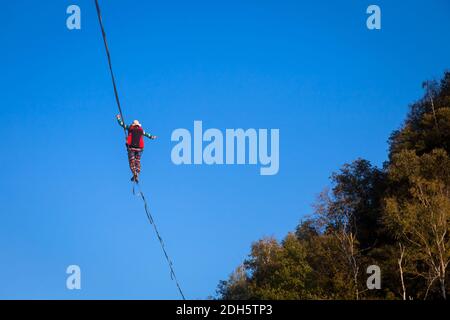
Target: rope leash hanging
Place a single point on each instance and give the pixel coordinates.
(147, 211)
(108, 55)
(169, 261)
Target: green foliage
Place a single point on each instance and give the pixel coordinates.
(427, 125)
(397, 218)
(236, 287)
(420, 217)
(272, 271)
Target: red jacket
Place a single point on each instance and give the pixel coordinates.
(135, 137)
(136, 134)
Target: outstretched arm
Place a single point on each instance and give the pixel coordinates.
(148, 135)
(120, 121)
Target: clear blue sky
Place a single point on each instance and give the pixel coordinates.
(310, 68)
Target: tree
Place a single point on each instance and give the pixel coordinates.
(236, 287)
(278, 271)
(329, 277)
(272, 271)
(427, 125)
(420, 214)
(351, 213)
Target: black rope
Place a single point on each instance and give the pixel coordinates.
(169, 261)
(116, 93)
(147, 211)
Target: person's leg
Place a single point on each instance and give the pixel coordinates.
(138, 162)
(131, 160)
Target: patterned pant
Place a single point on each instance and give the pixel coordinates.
(134, 158)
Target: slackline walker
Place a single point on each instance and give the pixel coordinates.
(135, 144)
